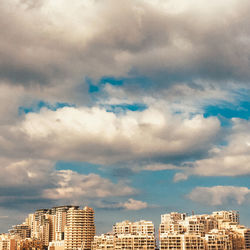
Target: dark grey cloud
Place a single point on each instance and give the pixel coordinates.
(36, 183)
(42, 45)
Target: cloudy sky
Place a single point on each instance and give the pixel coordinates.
(134, 107)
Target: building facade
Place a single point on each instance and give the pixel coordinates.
(79, 229)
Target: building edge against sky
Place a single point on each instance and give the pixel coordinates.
(71, 228)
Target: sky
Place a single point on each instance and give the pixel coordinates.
(133, 107)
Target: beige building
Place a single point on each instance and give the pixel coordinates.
(247, 239)
(217, 231)
(182, 241)
(104, 242)
(124, 241)
(128, 236)
(134, 228)
(8, 242)
(44, 232)
(53, 225)
(80, 228)
(23, 231)
(56, 245)
(223, 217)
(134, 242)
(168, 220)
(59, 221)
(218, 240)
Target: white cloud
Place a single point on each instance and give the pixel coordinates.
(30, 180)
(219, 195)
(230, 160)
(132, 204)
(159, 167)
(180, 177)
(95, 135)
(74, 186)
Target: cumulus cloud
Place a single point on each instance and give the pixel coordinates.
(230, 160)
(168, 42)
(130, 204)
(37, 181)
(219, 195)
(73, 185)
(179, 97)
(98, 136)
(24, 173)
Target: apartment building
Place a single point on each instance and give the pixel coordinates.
(167, 220)
(223, 217)
(60, 214)
(217, 231)
(104, 242)
(50, 225)
(247, 239)
(134, 228)
(8, 242)
(128, 236)
(56, 245)
(23, 231)
(80, 228)
(134, 242)
(218, 240)
(182, 241)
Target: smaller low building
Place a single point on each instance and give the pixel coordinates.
(56, 245)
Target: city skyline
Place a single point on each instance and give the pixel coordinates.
(133, 107)
(72, 227)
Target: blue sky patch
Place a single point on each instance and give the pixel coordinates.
(229, 110)
(112, 80)
(122, 108)
(79, 167)
(226, 111)
(36, 107)
(119, 81)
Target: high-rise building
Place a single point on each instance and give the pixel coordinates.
(80, 228)
(247, 239)
(60, 221)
